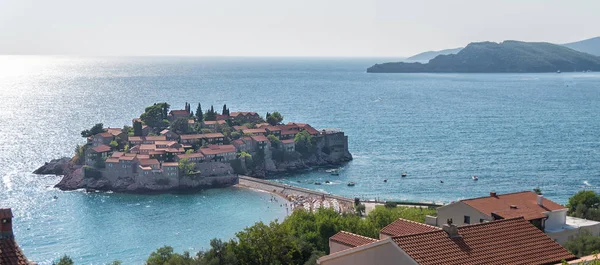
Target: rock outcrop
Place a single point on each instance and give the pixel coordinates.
(54, 167)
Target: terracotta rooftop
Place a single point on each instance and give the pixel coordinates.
(117, 154)
(262, 130)
(112, 160)
(238, 142)
(10, 252)
(260, 138)
(182, 156)
(239, 127)
(273, 128)
(148, 162)
(135, 138)
(403, 227)
(525, 203)
(165, 131)
(105, 135)
(179, 112)
(126, 158)
(210, 122)
(101, 148)
(288, 141)
(190, 136)
(508, 241)
(218, 149)
(212, 135)
(310, 129)
(114, 131)
(235, 114)
(350, 239)
(170, 164)
(156, 138)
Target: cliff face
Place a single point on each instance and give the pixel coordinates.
(505, 57)
(213, 175)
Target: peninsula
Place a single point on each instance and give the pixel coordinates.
(504, 57)
(177, 150)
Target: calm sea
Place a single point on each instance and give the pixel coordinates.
(515, 131)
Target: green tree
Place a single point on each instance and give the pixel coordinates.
(96, 129)
(114, 145)
(305, 143)
(360, 209)
(115, 262)
(79, 157)
(588, 198)
(584, 244)
(275, 142)
(180, 126)
(137, 128)
(186, 166)
(161, 256)
(199, 115)
(537, 191)
(154, 116)
(275, 117)
(220, 253)
(64, 260)
(210, 115)
(224, 112)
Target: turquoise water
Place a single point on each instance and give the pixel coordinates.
(515, 131)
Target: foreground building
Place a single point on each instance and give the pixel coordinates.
(508, 241)
(10, 252)
(545, 214)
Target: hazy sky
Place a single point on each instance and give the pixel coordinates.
(284, 28)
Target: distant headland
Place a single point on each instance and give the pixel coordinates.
(177, 150)
(504, 57)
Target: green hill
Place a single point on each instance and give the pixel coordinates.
(426, 56)
(591, 46)
(505, 57)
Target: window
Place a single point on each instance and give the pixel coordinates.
(467, 219)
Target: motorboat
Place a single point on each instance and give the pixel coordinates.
(385, 180)
(317, 183)
(403, 174)
(475, 178)
(351, 184)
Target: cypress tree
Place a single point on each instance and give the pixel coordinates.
(224, 112)
(199, 115)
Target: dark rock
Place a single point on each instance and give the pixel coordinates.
(54, 167)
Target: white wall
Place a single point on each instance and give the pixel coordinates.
(457, 211)
(384, 254)
(556, 219)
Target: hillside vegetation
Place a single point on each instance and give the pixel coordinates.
(505, 57)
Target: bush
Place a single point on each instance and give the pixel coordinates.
(583, 245)
(391, 204)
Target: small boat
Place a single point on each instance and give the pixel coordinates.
(475, 178)
(335, 172)
(327, 182)
(351, 184)
(385, 180)
(441, 181)
(55, 197)
(403, 174)
(558, 72)
(317, 183)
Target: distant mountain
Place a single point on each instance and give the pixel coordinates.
(426, 56)
(591, 46)
(504, 57)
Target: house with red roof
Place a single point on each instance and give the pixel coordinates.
(218, 152)
(92, 155)
(169, 135)
(260, 131)
(288, 145)
(102, 139)
(545, 214)
(506, 241)
(10, 252)
(176, 114)
(244, 117)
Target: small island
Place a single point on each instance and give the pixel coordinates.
(504, 57)
(177, 150)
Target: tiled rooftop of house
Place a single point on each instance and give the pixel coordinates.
(513, 205)
(192, 155)
(156, 138)
(261, 130)
(288, 141)
(148, 162)
(179, 112)
(105, 135)
(217, 149)
(508, 241)
(259, 138)
(101, 148)
(170, 164)
(350, 239)
(403, 227)
(10, 252)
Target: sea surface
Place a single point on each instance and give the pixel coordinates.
(515, 131)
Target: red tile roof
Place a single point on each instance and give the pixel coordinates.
(526, 203)
(105, 135)
(148, 162)
(212, 135)
(170, 164)
(126, 158)
(235, 114)
(350, 239)
(155, 138)
(310, 129)
(254, 130)
(136, 139)
(273, 128)
(218, 149)
(10, 252)
(117, 154)
(179, 112)
(209, 122)
(101, 148)
(260, 138)
(182, 156)
(238, 142)
(509, 241)
(288, 141)
(112, 160)
(190, 136)
(403, 227)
